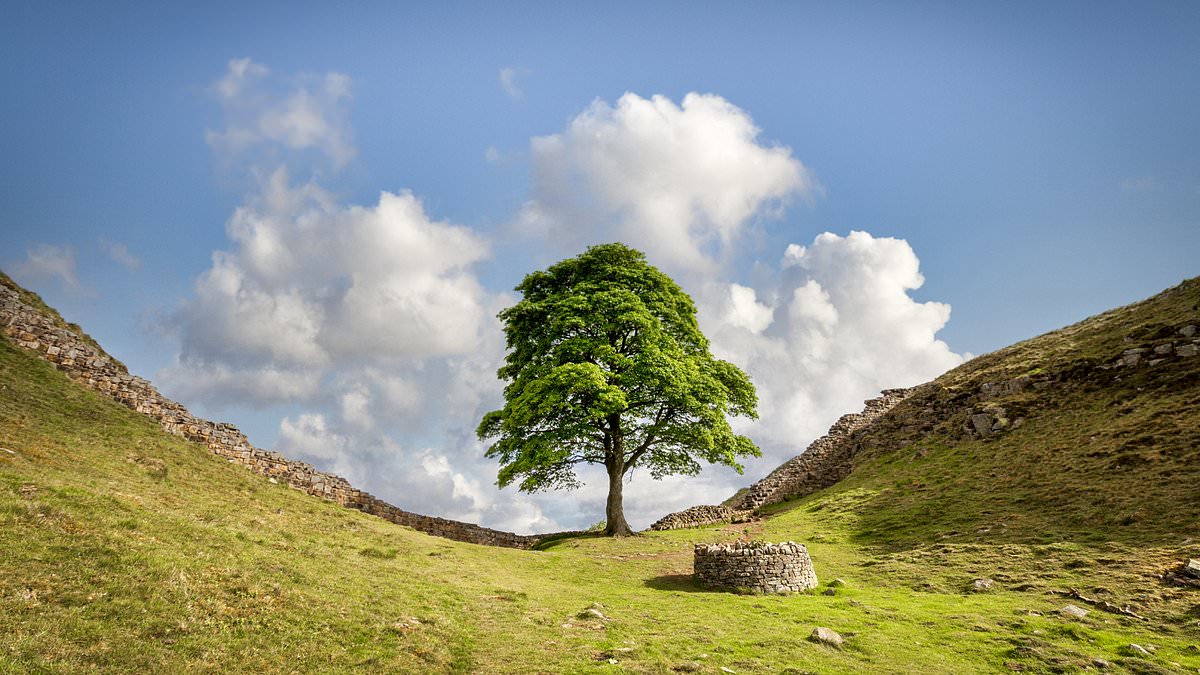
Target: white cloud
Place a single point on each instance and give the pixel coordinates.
(296, 114)
(313, 284)
(219, 385)
(119, 253)
(842, 328)
(50, 263)
(508, 80)
(681, 182)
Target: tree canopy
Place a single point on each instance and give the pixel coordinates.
(606, 365)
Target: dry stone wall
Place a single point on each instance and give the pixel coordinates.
(755, 567)
(698, 516)
(32, 328)
(827, 459)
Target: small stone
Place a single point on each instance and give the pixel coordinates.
(1100, 663)
(726, 670)
(590, 613)
(982, 423)
(1164, 348)
(1192, 568)
(1072, 610)
(837, 583)
(1138, 649)
(826, 636)
(1188, 331)
(830, 591)
(1187, 350)
(983, 585)
(687, 667)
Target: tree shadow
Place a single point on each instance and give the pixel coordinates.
(683, 583)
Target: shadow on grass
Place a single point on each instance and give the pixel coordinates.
(683, 583)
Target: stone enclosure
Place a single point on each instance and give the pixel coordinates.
(755, 567)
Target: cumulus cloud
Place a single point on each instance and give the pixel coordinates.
(453, 483)
(297, 114)
(681, 182)
(310, 284)
(835, 325)
(119, 253)
(50, 263)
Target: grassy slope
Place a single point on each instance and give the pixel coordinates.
(127, 549)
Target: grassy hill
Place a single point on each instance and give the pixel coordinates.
(125, 549)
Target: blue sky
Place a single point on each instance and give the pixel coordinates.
(1039, 159)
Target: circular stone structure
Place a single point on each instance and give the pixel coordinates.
(755, 567)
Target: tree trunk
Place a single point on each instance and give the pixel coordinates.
(614, 511)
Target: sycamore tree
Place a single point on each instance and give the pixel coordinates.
(607, 365)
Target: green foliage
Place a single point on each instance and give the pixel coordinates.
(607, 365)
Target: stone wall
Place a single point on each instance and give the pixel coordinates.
(698, 516)
(754, 567)
(34, 329)
(826, 461)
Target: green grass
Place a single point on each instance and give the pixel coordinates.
(124, 549)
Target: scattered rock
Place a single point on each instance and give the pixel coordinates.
(1187, 350)
(1192, 568)
(591, 613)
(1189, 331)
(983, 585)
(982, 423)
(826, 636)
(837, 583)
(830, 591)
(1164, 348)
(1101, 663)
(726, 670)
(1138, 650)
(1074, 610)
(687, 667)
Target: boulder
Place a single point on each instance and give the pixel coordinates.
(1192, 568)
(983, 585)
(826, 636)
(982, 423)
(1073, 611)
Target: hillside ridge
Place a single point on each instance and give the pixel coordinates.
(32, 325)
(980, 400)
